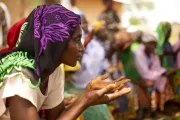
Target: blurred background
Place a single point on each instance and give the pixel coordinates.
(134, 14)
(125, 23)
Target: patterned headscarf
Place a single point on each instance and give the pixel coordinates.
(46, 31)
(162, 30)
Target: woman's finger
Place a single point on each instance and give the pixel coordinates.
(105, 76)
(118, 88)
(122, 82)
(101, 85)
(106, 89)
(105, 84)
(119, 79)
(122, 92)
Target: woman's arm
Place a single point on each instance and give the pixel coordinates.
(96, 92)
(74, 111)
(21, 109)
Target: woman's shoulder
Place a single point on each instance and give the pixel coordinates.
(56, 79)
(139, 49)
(26, 75)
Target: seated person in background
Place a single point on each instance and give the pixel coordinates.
(149, 68)
(124, 45)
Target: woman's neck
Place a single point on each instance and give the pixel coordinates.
(147, 52)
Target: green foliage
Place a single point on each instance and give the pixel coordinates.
(136, 21)
(147, 4)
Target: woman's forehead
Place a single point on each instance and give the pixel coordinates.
(77, 32)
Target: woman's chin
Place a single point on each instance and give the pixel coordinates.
(73, 64)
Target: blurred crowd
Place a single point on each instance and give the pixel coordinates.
(148, 59)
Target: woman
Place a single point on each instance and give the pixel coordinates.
(30, 78)
(109, 15)
(164, 48)
(149, 68)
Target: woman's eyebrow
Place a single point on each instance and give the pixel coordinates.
(76, 36)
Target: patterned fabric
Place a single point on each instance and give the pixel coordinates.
(52, 23)
(47, 29)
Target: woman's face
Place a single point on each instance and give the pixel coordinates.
(74, 50)
(151, 46)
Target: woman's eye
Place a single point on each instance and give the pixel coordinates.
(78, 40)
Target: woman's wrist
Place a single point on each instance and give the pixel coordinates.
(79, 106)
(83, 101)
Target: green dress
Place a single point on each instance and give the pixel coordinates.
(128, 63)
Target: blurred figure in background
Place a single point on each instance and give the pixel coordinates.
(5, 21)
(111, 18)
(13, 34)
(121, 105)
(149, 67)
(164, 48)
(94, 60)
(124, 45)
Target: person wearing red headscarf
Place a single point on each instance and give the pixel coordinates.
(13, 34)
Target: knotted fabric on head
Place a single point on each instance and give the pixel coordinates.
(43, 37)
(149, 37)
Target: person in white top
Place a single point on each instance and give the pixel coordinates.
(94, 61)
(30, 77)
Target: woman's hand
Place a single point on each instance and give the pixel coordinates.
(96, 92)
(69, 101)
(100, 92)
